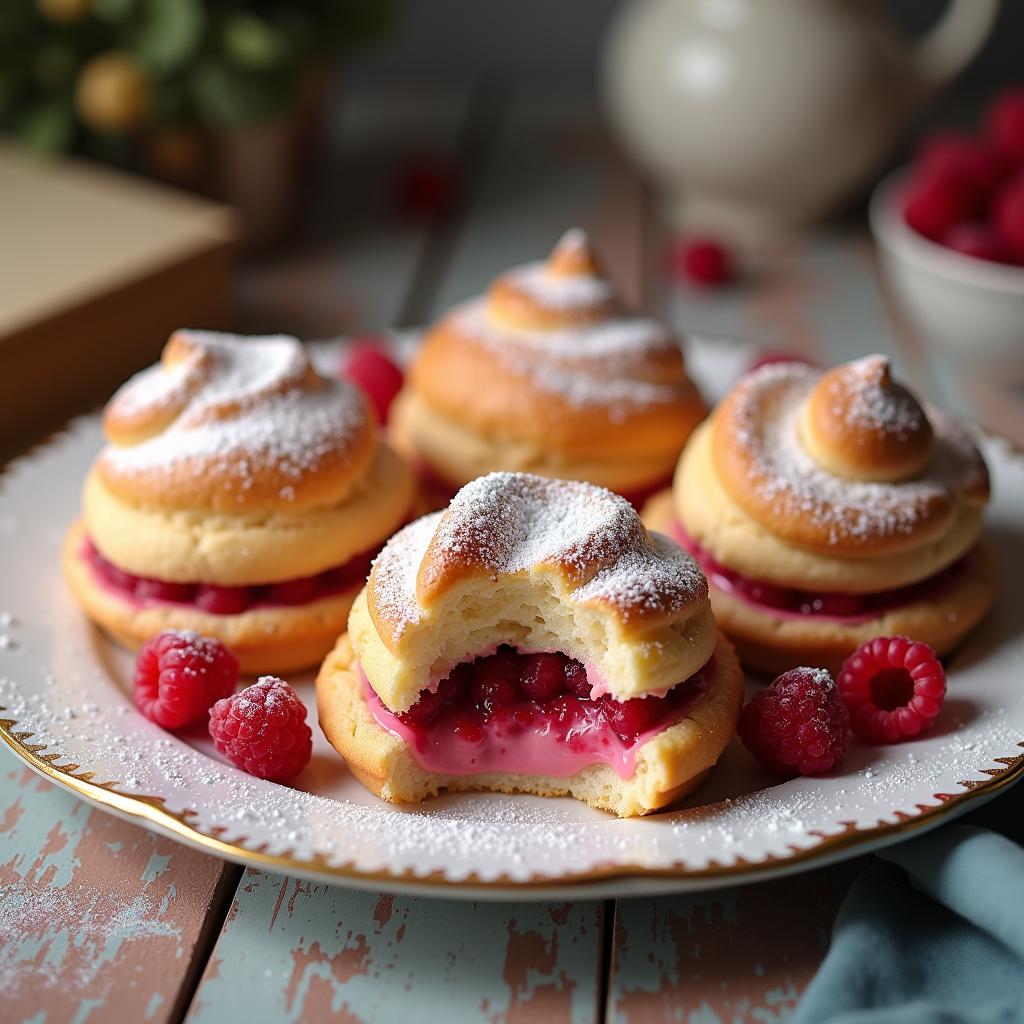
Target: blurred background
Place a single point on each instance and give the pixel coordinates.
(352, 166)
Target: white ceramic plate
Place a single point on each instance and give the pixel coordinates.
(65, 691)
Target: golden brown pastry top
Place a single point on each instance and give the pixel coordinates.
(843, 462)
(228, 423)
(586, 541)
(548, 354)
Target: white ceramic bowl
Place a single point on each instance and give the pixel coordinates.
(973, 309)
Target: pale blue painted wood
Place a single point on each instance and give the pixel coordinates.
(298, 951)
(742, 954)
(99, 920)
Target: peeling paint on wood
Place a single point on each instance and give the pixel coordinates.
(99, 919)
(298, 951)
(738, 956)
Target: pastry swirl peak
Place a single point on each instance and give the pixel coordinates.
(228, 422)
(860, 424)
(844, 462)
(569, 289)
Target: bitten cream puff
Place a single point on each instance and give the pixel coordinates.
(830, 508)
(546, 373)
(240, 495)
(532, 638)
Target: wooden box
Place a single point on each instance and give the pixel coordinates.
(96, 269)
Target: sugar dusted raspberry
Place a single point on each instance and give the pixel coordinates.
(262, 730)
(798, 725)
(375, 373)
(179, 675)
(893, 688)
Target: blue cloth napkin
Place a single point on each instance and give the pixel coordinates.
(930, 933)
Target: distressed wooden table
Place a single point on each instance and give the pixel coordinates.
(101, 921)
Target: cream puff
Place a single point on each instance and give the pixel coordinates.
(240, 495)
(546, 373)
(830, 508)
(532, 638)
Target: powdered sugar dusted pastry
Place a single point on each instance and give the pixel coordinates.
(547, 374)
(240, 495)
(534, 637)
(829, 508)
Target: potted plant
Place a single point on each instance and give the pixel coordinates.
(215, 94)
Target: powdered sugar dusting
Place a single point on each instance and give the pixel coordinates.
(595, 364)
(878, 408)
(508, 523)
(785, 475)
(257, 406)
(395, 570)
(562, 292)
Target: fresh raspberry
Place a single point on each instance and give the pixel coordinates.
(935, 202)
(893, 687)
(1005, 122)
(427, 185)
(976, 240)
(179, 675)
(973, 161)
(798, 725)
(703, 261)
(629, 718)
(262, 730)
(375, 373)
(1008, 217)
(543, 676)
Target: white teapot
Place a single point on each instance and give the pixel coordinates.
(759, 115)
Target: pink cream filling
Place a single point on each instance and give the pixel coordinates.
(792, 603)
(507, 712)
(144, 591)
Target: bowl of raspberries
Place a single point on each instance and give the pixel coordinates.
(950, 234)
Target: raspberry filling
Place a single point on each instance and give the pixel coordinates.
(143, 591)
(789, 602)
(531, 714)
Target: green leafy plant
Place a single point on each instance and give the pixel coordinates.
(91, 74)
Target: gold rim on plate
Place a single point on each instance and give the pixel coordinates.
(154, 811)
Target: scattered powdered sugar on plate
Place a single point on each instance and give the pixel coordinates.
(69, 687)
